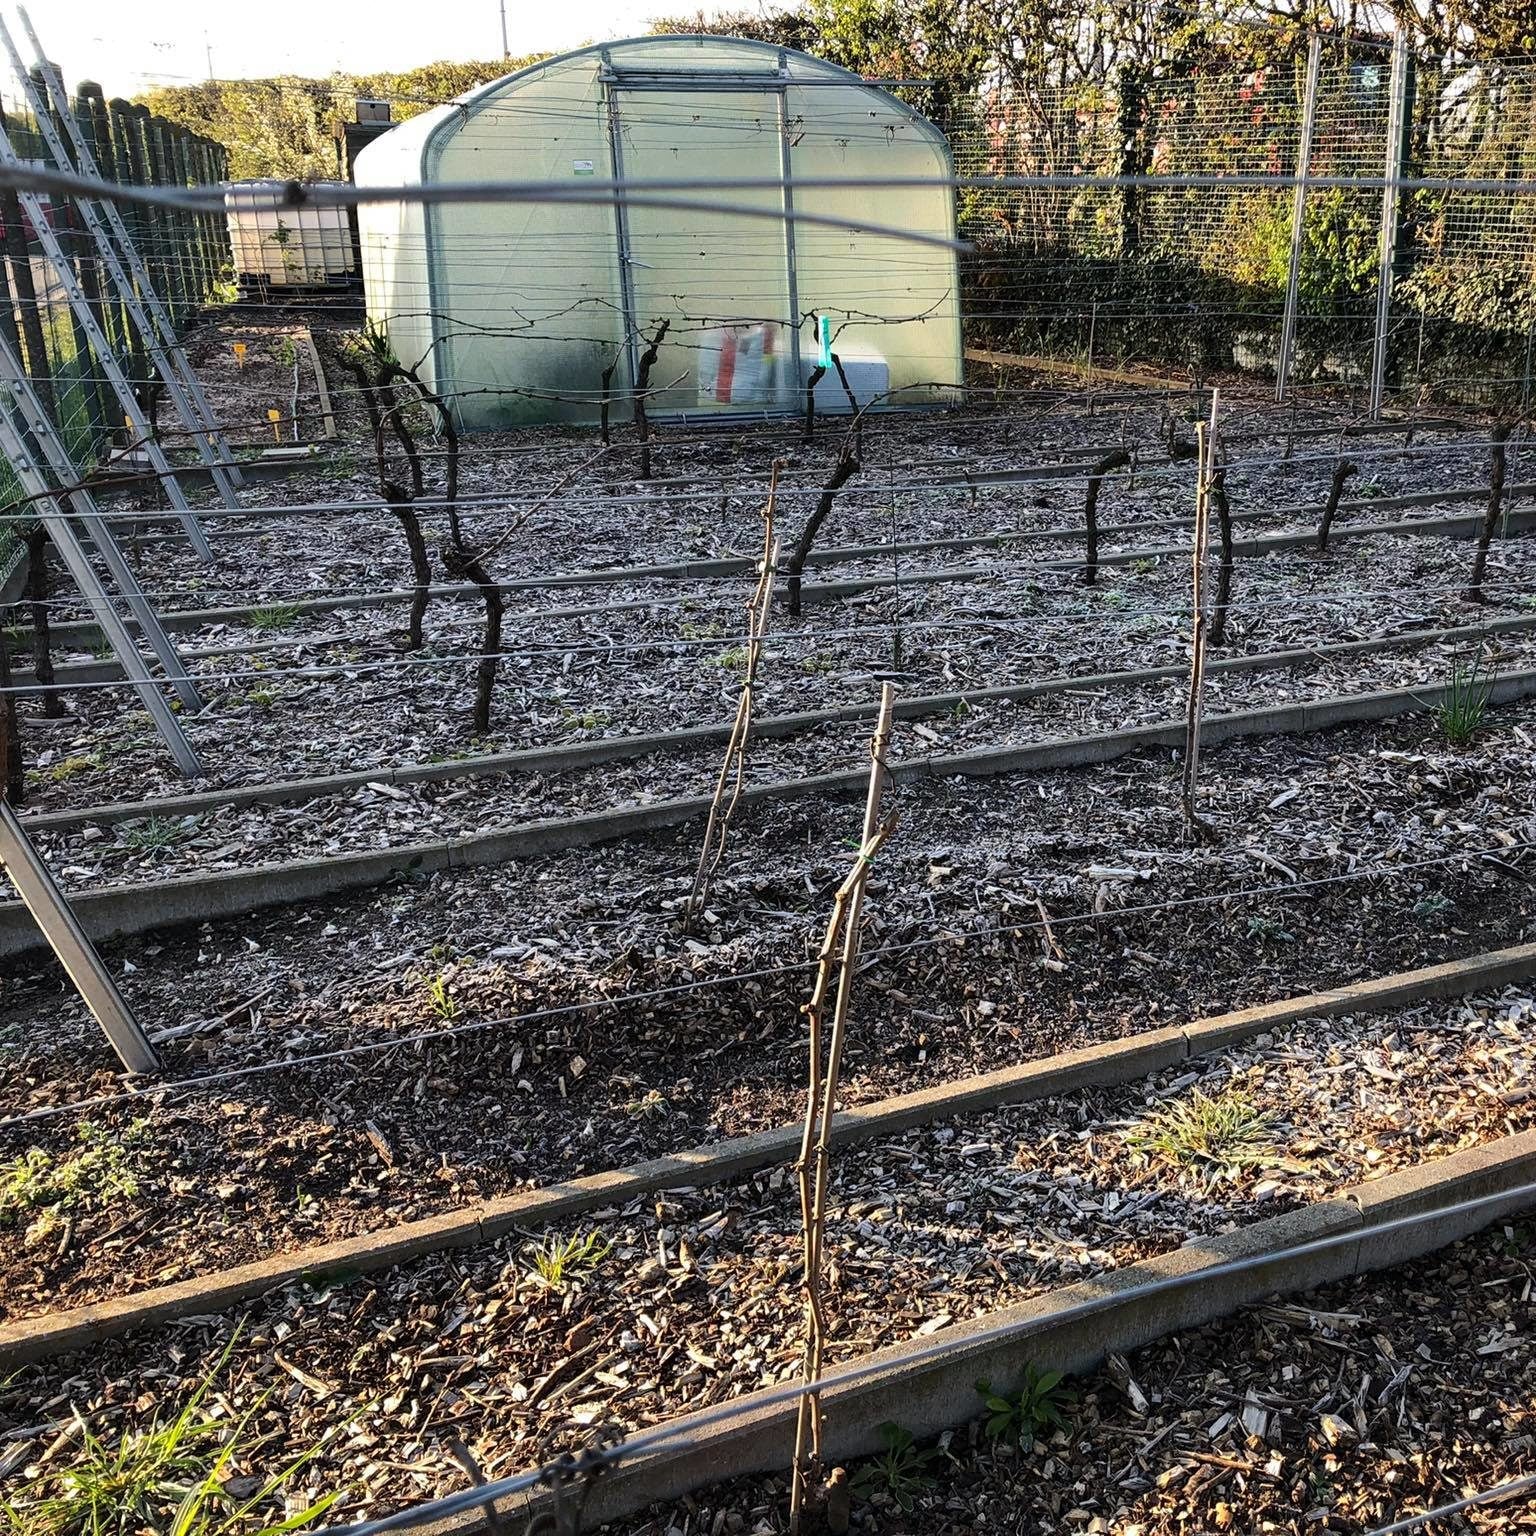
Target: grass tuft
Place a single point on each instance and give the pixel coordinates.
(557, 1262)
(441, 1000)
(1461, 712)
(1219, 1134)
(154, 834)
(273, 616)
(178, 1476)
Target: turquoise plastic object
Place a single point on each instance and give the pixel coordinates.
(824, 326)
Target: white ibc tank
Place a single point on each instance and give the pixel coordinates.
(273, 247)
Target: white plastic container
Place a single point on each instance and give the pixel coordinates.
(289, 248)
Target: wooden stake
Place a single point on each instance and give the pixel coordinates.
(813, 1170)
(735, 763)
(1205, 440)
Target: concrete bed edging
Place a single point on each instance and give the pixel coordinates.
(1096, 1066)
(928, 1384)
(110, 912)
(567, 756)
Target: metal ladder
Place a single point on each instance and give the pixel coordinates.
(37, 216)
(30, 418)
(145, 307)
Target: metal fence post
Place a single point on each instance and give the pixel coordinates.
(1299, 217)
(1397, 133)
(52, 913)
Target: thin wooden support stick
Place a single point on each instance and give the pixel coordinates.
(814, 1167)
(733, 768)
(1206, 442)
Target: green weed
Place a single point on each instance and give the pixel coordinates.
(273, 616)
(261, 698)
(1221, 1133)
(557, 1262)
(441, 1001)
(591, 720)
(648, 1107)
(1436, 904)
(1037, 1406)
(102, 1171)
(154, 834)
(1460, 714)
(176, 1477)
(732, 659)
(1262, 927)
(69, 768)
(1142, 566)
(900, 1472)
(710, 631)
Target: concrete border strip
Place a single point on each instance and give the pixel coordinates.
(119, 911)
(1052, 1332)
(1095, 1066)
(606, 749)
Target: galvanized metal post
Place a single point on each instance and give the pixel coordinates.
(786, 172)
(1299, 216)
(13, 445)
(621, 221)
(1397, 123)
(52, 913)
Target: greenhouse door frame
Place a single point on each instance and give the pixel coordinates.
(766, 82)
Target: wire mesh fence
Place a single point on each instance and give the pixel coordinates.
(185, 255)
(1196, 276)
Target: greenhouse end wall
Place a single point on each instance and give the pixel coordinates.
(516, 309)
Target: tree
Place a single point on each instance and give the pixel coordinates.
(286, 126)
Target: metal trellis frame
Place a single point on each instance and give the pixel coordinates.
(35, 421)
(1299, 217)
(127, 272)
(52, 913)
(1397, 126)
(34, 482)
(53, 252)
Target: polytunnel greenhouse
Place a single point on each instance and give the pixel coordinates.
(516, 310)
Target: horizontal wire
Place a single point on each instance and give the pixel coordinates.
(692, 1430)
(561, 649)
(957, 937)
(1504, 1490)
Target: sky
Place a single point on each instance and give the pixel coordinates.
(127, 45)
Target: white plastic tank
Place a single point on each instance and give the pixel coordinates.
(288, 248)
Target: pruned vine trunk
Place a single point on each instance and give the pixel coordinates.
(42, 635)
(460, 563)
(1499, 467)
(396, 497)
(817, 374)
(1224, 568)
(643, 383)
(845, 469)
(1341, 472)
(1117, 460)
